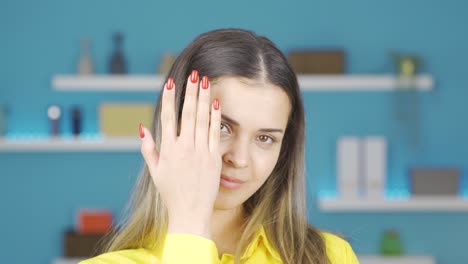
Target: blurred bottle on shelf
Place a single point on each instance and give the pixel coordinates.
(117, 63)
(54, 112)
(166, 63)
(76, 120)
(3, 120)
(85, 65)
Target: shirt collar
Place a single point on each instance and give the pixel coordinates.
(260, 239)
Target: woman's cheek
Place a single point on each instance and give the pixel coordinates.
(223, 144)
(270, 160)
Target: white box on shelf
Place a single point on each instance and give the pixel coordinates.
(375, 166)
(348, 166)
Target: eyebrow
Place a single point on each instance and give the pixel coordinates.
(230, 120)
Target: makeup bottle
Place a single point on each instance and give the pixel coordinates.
(54, 113)
(76, 121)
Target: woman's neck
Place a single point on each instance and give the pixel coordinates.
(227, 229)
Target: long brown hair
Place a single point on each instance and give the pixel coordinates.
(279, 205)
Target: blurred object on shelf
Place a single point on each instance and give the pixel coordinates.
(54, 113)
(117, 63)
(91, 226)
(348, 156)
(406, 96)
(317, 61)
(391, 244)
(85, 65)
(3, 119)
(375, 166)
(76, 245)
(406, 65)
(166, 63)
(123, 119)
(76, 120)
(435, 181)
(94, 221)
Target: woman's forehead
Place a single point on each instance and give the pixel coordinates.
(252, 103)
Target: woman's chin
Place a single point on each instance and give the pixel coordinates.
(226, 202)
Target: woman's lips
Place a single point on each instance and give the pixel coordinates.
(230, 183)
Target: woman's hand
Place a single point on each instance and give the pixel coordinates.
(187, 168)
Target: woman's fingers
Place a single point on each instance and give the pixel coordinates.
(189, 189)
(168, 123)
(189, 110)
(148, 149)
(203, 114)
(215, 126)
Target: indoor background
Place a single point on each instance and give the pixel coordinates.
(42, 191)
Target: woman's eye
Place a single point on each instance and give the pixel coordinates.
(265, 138)
(224, 126)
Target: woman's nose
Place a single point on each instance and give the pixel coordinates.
(237, 155)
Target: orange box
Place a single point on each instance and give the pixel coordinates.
(94, 221)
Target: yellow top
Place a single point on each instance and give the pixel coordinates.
(188, 248)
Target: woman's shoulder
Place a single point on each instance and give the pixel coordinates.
(339, 250)
(127, 256)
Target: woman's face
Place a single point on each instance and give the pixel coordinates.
(254, 119)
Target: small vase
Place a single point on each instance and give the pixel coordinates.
(391, 244)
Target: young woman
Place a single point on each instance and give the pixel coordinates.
(224, 175)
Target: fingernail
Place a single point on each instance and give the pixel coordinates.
(216, 104)
(205, 82)
(170, 84)
(194, 76)
(142, 131)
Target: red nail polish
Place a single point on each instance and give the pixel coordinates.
(205, 82)
(194, 76)
(142, 132)
(216, 104)
(170, 84)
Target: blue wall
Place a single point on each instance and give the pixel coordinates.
(40, 192)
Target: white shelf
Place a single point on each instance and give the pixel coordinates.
(111, 83)
(396, 260)
(360, 82)
(426, 204)
(152, 83)
(110, 144)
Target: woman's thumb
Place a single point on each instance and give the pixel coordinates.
(148, 149)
